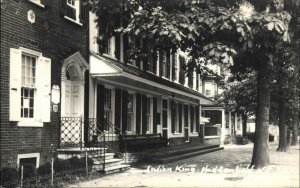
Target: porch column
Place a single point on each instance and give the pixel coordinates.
(223, 127)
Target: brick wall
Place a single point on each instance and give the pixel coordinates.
(56, 38)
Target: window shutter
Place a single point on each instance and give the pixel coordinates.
(154, 118)
(197, 119)
(168, 64)
(118, 45)
(118, 109)
(180, 118)
(15, 85)
(63, 6)
(124, 110)
(45, 89)
(83, 11)
(100, 106)
(192, 118)
(144, 114)
(174, 67)
(160, 60)
(173, 108)
(138, 114)
(125, 47)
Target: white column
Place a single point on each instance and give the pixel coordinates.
(223, 128)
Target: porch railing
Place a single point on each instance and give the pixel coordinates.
(94, 136)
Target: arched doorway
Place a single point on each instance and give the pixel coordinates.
(72, 100)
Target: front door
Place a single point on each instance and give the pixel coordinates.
(72, 99)
(186, 123)
(165, 119)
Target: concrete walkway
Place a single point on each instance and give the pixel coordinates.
(224, 168)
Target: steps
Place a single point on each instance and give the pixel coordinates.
(112, 165)
(171, 154)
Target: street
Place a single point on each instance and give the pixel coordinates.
(225, 168)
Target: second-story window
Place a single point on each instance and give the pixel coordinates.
(74, 10)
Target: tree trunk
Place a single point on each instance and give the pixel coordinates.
(260, 156)
(282, 111)
(288, 138)
(245, 118)
(295, 129)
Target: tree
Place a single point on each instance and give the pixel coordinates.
(240, 95)
(213, 34)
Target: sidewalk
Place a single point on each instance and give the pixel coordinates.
(225, 168)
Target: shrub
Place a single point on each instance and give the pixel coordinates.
(44, 169)
(62, 165)
(8, 174)
(77, 163)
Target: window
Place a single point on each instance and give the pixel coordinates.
(29, 159)
(38, 2)
(208, 92)
(148, 114)
(28, 86)
(74, 10)
(30, 82)
(130, 113)
(107, 108)
(109, 46)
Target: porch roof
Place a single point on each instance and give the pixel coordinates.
(104, 68)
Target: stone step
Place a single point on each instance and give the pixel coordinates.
(108, 156)
(110, 162)
(114, 169)
(186, 155)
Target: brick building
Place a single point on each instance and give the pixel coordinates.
(62, 89)
(38, 40)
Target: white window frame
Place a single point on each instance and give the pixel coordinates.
(37, 2)
(76, 6)
(29, 155)
(36, 121)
